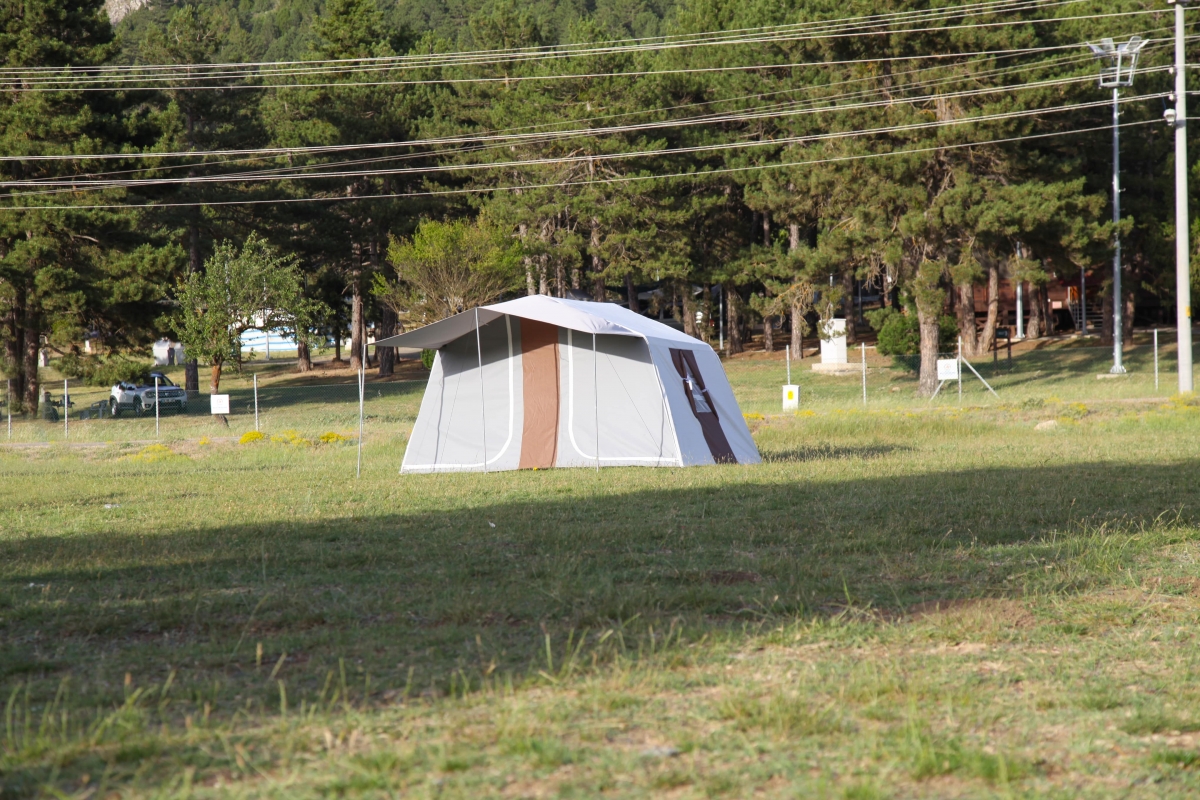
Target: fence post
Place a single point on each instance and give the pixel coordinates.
(256, 401)
(959, 371)
(66, 407)
(362, 377)
(1156, 360)
(863, 347)
(156, 434)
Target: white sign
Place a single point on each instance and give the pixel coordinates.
(791, 397)
(947, 369)
(219, 403)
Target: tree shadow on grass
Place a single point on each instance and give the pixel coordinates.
(415, 588)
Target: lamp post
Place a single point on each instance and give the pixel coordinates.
(1177, 117)
(1119, 62)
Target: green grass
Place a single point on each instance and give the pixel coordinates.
(907, 600)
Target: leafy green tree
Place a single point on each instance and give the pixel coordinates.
(447, 268)
(254, 286)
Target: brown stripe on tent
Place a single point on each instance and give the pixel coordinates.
(702, 406)
(539, 371)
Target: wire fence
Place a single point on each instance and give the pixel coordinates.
(71, 412)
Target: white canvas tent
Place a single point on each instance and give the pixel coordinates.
(547, 382)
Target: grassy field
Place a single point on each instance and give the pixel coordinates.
(910, 599)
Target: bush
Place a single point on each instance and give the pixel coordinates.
(900, 333)
(427, 358)
(96, 371)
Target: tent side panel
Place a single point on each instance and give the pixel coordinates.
(423, 443)
(634, 422)
(688, 432)
(732, 422)
(449, 434)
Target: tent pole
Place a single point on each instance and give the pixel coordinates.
(482, 415)
(596, 397)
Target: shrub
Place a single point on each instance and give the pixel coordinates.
(900, 333)
(291, 437)
(332, 438)
(427, 358)
(250, 437)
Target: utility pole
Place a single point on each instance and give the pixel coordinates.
(1120, 61)
(1183, 290)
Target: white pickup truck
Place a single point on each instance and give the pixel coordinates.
(140, 399)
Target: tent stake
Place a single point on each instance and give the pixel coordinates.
(482, 414)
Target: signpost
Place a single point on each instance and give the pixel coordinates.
(218, 404)
(791, 392)
(1005, 334)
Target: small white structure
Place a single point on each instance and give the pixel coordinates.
(791, 397)
(833, 348)
(543, 382)
(167, 353)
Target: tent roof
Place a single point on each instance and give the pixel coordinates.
(577, 315)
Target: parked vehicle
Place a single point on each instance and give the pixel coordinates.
(140, 399)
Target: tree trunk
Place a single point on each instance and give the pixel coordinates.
(356, 324)
(388, 322)
(303, 357)
(927, 319)
(964, 310)
(797, 331)
(337, 347)
(599, 294)
(848, 308)
(530, 286)
(14, 347)
(987, 338)
(1035, 325)
(768, 333)
(733, 321)
(560, 278)
(29, 367)
(930, 299)
(631, 294)
(687, 302)
(214, 383)
(766, 230)
(797, 312)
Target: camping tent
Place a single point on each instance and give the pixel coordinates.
(547, 382)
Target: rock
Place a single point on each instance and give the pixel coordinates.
(1048, 425)
(660, 752)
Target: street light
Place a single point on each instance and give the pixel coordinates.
(1119, 62)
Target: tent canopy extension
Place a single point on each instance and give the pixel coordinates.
(547, 382)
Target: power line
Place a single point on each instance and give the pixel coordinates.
(826, 98)
(603, 157)
(448, 140)
(591, 182)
